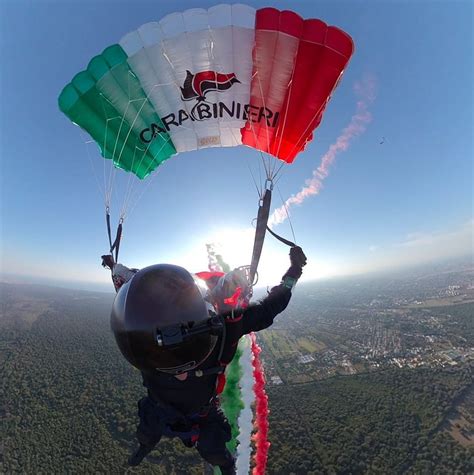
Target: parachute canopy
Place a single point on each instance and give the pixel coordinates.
(221, 77)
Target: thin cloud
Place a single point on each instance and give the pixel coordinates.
(419, 248)
(365, 90)
(442, 244)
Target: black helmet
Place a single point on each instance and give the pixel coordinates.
(155, 318)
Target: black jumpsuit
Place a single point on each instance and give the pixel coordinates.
(190, 406)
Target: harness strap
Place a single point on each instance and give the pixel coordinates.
(190, 434)
(220, 385)
(199, 373)
(169, 418)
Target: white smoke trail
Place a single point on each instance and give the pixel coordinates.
(365, 91)
(244, 449)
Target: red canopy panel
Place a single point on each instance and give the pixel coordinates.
(297, 65)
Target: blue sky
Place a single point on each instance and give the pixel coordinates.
(402, 202)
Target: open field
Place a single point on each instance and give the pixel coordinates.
(441, 302)
(281, 344)
(460, 425)
(23, 314)
(310, 345)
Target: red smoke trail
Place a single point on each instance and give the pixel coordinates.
(261, 417)
(365, 91)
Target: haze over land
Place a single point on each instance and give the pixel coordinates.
(370, 369)
(365, 375)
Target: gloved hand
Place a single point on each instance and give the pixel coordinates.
(297, 257)
(108, 261)
(298, 261)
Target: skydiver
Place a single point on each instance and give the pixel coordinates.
(181, 342)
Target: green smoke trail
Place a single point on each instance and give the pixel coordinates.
(224, 266)
(231, 398)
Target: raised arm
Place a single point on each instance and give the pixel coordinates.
(261, 315)
(120, 273)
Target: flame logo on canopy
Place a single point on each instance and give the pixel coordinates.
(196, 86)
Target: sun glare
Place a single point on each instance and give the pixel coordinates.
(235, 246)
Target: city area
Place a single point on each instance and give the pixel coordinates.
(356, 326)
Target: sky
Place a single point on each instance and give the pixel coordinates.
(355, 204)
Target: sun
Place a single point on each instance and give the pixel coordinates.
(235, 245)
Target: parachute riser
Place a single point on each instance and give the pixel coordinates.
(115, 245)
(261, 228)
(262, 219)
